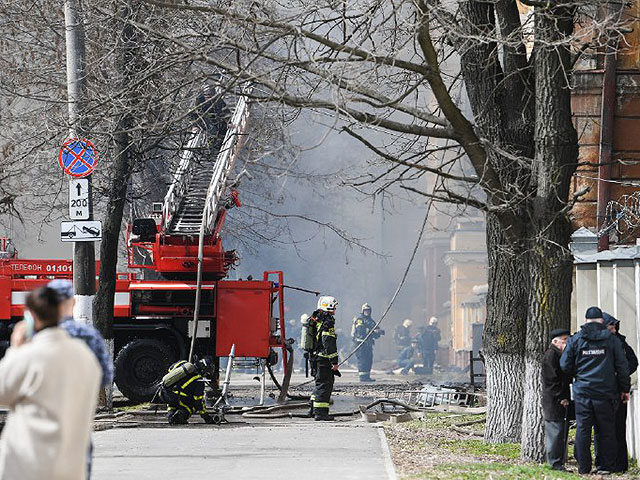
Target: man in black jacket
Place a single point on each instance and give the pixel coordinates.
(555, 399)
(324, 363)
(596, 361)
(622, 458)
(430, 339)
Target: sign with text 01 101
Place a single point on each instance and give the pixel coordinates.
(79, 208)
(81, 231)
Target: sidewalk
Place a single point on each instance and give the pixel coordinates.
(307, 450)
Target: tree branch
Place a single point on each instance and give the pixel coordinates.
(424, 70)
(417, 166)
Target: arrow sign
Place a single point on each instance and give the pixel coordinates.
(79, 199)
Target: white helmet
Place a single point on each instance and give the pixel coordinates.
(366, 306)
(433, 321)
(303, 318)
(327, 304)
(407, 323)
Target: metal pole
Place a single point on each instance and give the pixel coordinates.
(227, 378)
(196, 310)
(607, 117)
(84, 263)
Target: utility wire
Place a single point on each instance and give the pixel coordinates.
(400, 285)
(397, 292)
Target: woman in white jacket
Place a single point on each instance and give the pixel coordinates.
(50, 383)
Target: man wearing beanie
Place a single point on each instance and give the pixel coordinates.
(596, 361)
(555, 400)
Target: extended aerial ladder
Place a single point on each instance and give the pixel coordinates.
(186, 244)
(194, 207)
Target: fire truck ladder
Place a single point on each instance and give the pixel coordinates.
(187, 210)
(194, 198)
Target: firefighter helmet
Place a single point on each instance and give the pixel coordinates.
(303, 318)
(327, 304)
(366, 306)
(407, 323)
(433, 321)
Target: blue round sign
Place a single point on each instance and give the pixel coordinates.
(78, 157)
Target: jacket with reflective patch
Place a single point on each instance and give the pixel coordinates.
(187, 394)
(326, 339)
(361, 327)
(597, 362)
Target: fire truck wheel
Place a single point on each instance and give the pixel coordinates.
(139, 367)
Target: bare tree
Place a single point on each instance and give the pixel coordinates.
(395, 66)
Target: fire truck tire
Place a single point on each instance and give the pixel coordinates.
(139, 367)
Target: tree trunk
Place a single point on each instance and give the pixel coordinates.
(504, 336)
(120, 174)
(549, 308)
(551, 263)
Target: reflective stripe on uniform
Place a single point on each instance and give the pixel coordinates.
(321, 404)
(329, 334)
(328, 355)
(190, 381)
(187, 408)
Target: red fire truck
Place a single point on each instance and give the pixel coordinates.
(154, 319)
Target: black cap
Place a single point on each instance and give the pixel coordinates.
(593, 312)
(609, 319)
(558, 332)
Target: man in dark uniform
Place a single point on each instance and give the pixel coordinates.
(596, 361)
(402, 335)
(429, 344)
(622, 457)
(555, 399)
(185, 397)
(324, 361)
(362, 327)
(406, 359)
(213, 114)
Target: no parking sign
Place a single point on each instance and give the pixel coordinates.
(78, 157)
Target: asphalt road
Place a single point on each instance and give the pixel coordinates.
(298, 450)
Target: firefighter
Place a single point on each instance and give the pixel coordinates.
(402, 335)
(183, 392)
(324, 357)
(213, 113)
(430, 338)
(364, 333)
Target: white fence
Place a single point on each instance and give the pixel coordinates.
(611, 281)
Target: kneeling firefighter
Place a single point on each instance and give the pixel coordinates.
(182, 389)
(320, 342)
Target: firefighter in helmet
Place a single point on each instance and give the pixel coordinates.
(182, 389)
(324, 357)
(364, 333)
